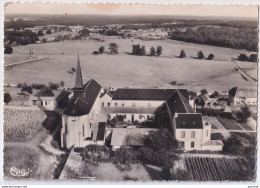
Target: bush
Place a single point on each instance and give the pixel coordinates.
(242, 57)
(152, 51)
(19, 85)
(182, 175)
(38, 86)
(113, 47)
(7, 98)
(200, 55)
(233, 145)
(210, 57)
(101, 49)
(159, 50)
(73, 69)
(53, 86)
(166, 173)
(182, 54)
(46, 92)
(8, 50)
(62, 99)
(253, 58)
(138, 50)
(95, 52)
(124, 156)
(27, 89)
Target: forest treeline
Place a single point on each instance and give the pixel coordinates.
(237, 38)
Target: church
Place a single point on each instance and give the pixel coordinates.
(84, 120)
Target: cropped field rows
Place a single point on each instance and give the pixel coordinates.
(20, 125)
(213, 169)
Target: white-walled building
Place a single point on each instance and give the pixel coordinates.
(47, 102)
(242, 95)
(81, 113)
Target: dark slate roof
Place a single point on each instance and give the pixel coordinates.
(189, 121)
(247, 92)
(132, 110)
(82, 106)
(178, 104)
(204, 97)
(146, 94)
(101, 131)
(78, 81)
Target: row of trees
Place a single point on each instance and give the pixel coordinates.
(251, 58)
(113, 49)
(20, 37)
(137, 49)
(200, 55)
(241, 38)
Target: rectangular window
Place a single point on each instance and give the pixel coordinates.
(73, 119)
(115, 103)
(192, 134)
(83, 132)
(123, 104)
(192, 144)
(108, 104)
(182, 134)
(207, 133)
(103, 104)
(182, 145)
(133, 105)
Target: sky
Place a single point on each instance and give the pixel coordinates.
(247, 11)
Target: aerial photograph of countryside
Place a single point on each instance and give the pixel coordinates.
(130, 92)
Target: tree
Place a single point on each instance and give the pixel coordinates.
(7, 98)
(48, 31)
(27, 89)
(203, 92)
(152, 51)
(113, 47)
(40, 33)
(73, 69)
(242, 57)
(182, 54)
(160, 148)
(101, 49)
(62, 84)
(200, 55)
(244, 114)
(209, 103)
(182, 175)
(210, 57)
(233, 145)
(62, 99)
(159, 50)
(8, 50)
(142, 52)
(124, 155)
(166, 173)
(253, 58)
(46, 92)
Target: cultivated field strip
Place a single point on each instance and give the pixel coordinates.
(213, 169)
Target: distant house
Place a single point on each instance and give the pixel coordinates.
(201, 100)
(242, 95)
(195, 134)
(46, 102)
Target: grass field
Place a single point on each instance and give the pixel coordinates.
(20, 157)
(124, 69)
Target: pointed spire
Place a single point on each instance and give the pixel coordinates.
(78, 82)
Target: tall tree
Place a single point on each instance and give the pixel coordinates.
(152, 51)
(113, 47)
(7, 98)
(159, 50)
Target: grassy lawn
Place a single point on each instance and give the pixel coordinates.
(229, 124)
(20, 157)
(22, 124)
(124, 70)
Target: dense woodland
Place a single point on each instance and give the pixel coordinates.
(241, 38)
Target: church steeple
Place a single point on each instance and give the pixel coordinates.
(78, 82)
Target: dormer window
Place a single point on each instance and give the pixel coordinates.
(115, 103)
(73, 119)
